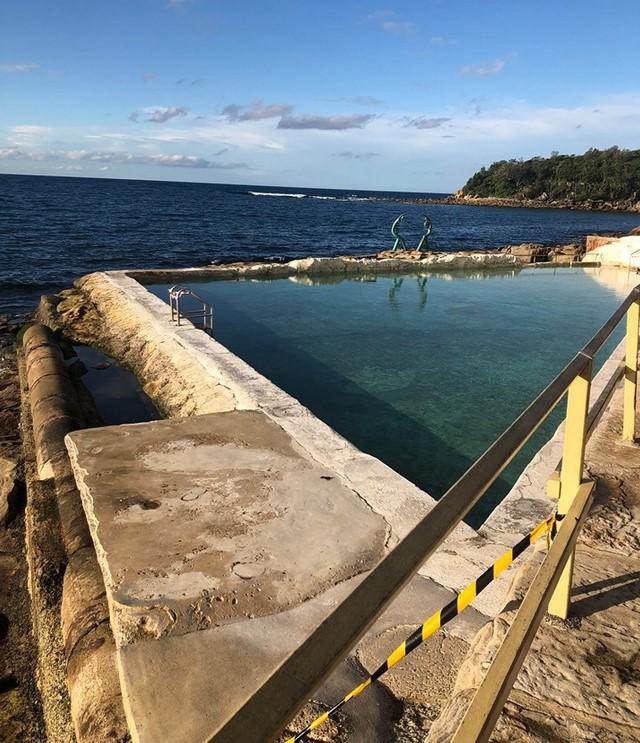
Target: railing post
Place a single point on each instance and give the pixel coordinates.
(631, 373)
(575, 437)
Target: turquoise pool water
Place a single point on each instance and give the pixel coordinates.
(422, 372)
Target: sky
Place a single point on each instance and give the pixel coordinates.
(406, 96)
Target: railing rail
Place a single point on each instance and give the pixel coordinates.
(264, 715)
(204, 313)
(488, 701)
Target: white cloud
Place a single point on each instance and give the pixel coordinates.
(27, 134)
(423, 122)
(10, 153)
(120, 158)
(389, 22)
(30, 67)
(256, 112)
(483, 70)
(335, 123)
(398, 28)
(30, 129)
(358, 155)
(161, 114)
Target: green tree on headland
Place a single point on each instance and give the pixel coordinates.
(611, 175)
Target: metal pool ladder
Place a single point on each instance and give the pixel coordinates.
(204, 313)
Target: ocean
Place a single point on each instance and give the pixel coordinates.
(55, 229)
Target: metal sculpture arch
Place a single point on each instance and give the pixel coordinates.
(401, 244)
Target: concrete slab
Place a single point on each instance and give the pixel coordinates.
(181, 688)
(223, 544)
(207, 520)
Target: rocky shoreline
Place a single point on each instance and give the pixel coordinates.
(461, 199)
(522, 253)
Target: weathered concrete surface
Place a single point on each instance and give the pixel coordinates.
(173, 687)
(222, 521)
(209, 519)
(581, 679)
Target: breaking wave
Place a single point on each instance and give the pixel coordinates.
(309, 196)
(273, 193)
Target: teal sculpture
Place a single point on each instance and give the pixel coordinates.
(399, 243)
(427, 228)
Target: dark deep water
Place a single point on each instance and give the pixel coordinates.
(53, 230)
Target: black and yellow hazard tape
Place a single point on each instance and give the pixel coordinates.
(439, 619)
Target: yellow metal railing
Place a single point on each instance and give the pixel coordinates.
(488, 701)
(265, 713)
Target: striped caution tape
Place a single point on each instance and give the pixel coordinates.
(439, 619)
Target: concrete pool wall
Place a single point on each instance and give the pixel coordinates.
(187, 373)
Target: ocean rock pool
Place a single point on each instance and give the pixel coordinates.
(421, 371)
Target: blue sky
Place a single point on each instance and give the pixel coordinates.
(404, 96)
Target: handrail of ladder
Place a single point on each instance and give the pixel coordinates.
(176, 293)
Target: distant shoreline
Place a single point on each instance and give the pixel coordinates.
(590, 206)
